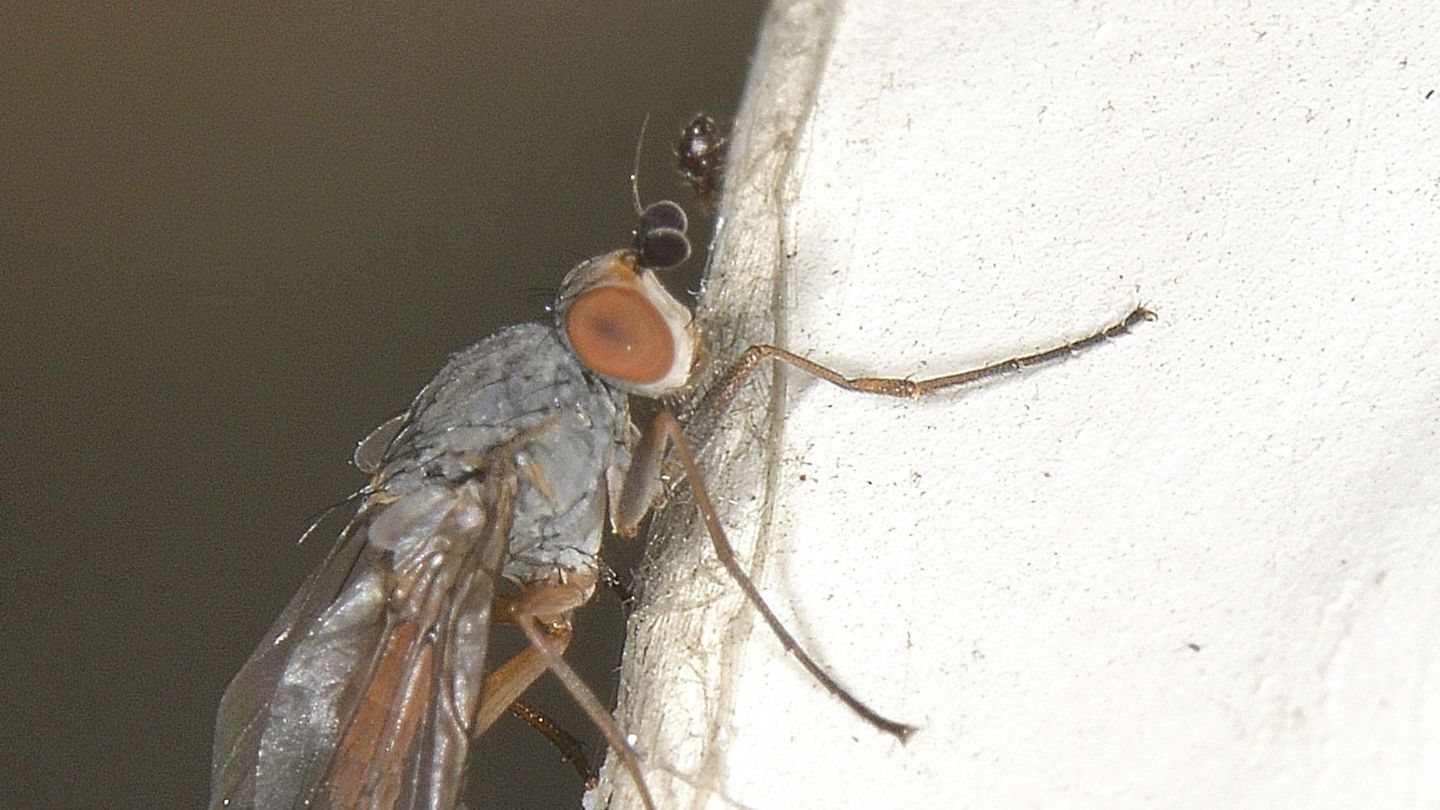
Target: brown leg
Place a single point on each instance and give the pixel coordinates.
(643, 484)
(509, 681)
(570, 748)
(702, 420)
(542, 612)
(666, 428)
(593, 708)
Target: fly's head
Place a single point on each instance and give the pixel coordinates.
(621, 322)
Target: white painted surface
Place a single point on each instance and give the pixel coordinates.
(1022, 569)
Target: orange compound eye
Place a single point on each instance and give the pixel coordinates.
(616, 332)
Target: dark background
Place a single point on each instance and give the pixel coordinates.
(231, 243)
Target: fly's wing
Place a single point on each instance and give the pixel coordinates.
(363, 693)
(245, 717)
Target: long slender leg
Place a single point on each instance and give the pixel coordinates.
(666, 429)
(702, 420)
(504, 686)
(643, 486)
(542, 611)
(592, 706)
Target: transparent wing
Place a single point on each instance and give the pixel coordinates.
(363, 692)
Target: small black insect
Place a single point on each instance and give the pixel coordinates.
(701, 157)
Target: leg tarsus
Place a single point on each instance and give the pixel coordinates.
(570, 748)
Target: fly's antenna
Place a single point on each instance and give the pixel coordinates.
(660, 240)
(635, 167)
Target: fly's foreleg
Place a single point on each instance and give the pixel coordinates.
(702, 420)
(644, 485)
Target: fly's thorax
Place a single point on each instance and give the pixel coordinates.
(562, 503)
(623, 325)
(516, 403)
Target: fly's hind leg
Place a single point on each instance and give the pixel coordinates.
(542, 612)
(570, 748)
(507, 682)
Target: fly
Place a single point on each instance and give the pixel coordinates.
(486, 506)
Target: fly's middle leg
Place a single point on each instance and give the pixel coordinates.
(665, 432)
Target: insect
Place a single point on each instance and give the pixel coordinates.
(485, 508)
(700, 154)
(486, 505)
